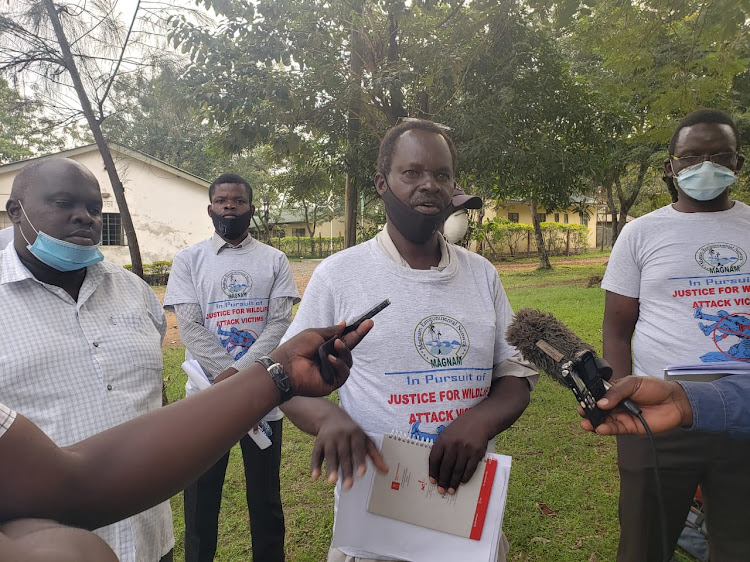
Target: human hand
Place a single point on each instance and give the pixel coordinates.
(456, 454)
(664, 406)
(299, 357)
(345, 448)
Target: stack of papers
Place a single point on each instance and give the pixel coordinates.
(706, 371)
(359, 530)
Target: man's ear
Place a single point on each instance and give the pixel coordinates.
(668, 168)
(380, 183)
(740, 162)
(13, 208)
(252, 211)
(208, 210)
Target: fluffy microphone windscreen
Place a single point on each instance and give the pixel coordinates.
(530, 326)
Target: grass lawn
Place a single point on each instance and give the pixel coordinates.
(555, 464)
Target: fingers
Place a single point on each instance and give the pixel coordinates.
(316, 460)
(375, 456)
(353, 338)
(623, 389)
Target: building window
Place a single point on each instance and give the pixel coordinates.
(278, 232)
(513, 217)
(584, 218)
(542, 217)
(557, 217)
(565, 218)
(300, 232)
(112, 230)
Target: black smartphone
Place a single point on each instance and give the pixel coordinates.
(326, 369)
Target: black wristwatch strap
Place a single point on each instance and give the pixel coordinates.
(279, 376)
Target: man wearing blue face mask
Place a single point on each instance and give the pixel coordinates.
(678, 292)
(80, 350)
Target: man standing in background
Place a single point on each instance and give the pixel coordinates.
(233, 298)
(677, 293)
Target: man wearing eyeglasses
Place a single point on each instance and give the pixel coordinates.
(678, 292)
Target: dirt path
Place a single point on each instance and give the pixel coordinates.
(302, 271)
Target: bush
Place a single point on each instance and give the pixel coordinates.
(511, 238)
(315, 247)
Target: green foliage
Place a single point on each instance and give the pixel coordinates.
(155, 113)
(309, 247)
(23, 128)
(161, 267)
(505, 235)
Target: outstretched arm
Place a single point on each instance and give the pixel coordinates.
(133, 466)
(718, 406)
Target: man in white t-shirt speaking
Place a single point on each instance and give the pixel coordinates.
(437, 366)
(678, 292)
(233, 298)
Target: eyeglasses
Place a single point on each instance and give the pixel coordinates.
(726, 159)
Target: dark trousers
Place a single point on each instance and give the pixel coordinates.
(263, 490)
(686, 459)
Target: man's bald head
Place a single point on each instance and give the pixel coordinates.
(46, 168)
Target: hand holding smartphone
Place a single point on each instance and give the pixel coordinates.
(326, 370)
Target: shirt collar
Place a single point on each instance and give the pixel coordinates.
(218, 243)
(12, 269)
(386, 244)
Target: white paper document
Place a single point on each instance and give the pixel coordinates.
(358, 529)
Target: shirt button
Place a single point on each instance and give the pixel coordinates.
(96, 344)
(109, 387)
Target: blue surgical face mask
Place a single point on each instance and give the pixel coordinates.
(59, 254)
(705, 181)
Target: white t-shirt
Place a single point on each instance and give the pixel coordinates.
(431, 353)
(690, 274)
(233, 290)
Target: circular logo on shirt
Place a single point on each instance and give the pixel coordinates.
(236, 284)
(442, 341)
(720, 257)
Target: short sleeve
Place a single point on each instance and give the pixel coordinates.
(180, 287)
(316, 309)
(623, 273)
(283, 285)
(7, 416)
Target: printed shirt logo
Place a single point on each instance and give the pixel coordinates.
(721, 257)
(236, 284)
(442, 341)
(729, 332)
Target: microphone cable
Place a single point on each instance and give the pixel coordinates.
(666, 555)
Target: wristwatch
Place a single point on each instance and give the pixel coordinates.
(279, 376)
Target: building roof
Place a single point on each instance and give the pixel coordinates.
(115, 147)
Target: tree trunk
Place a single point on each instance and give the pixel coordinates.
(353, 126)
(626, 202)
(101, 143)
(612, 209)
(540, 247)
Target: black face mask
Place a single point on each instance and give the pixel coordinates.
(416, 227)
(231, 228)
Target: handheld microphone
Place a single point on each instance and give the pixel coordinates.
(554, 348)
